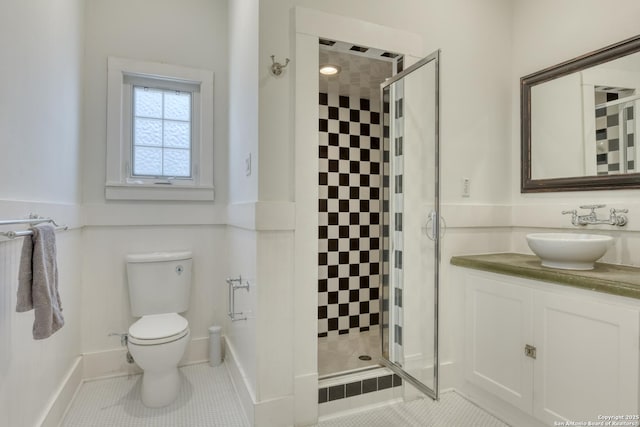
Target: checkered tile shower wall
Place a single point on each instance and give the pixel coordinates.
(349, 215)
(610, 135)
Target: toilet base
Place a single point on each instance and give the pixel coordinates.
(160, 388)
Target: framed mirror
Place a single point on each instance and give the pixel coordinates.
(579, 122)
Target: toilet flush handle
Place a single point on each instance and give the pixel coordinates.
(124, 338)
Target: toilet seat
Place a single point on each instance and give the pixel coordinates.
(158, 329)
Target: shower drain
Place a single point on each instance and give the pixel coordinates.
(365, 357)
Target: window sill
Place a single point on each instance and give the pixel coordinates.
(117, 191)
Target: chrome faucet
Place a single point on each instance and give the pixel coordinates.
(592, 218)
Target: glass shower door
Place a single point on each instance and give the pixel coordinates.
(411, 224)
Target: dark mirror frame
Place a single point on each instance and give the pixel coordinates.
(584, 183)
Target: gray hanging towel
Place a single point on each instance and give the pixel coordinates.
(38, 281)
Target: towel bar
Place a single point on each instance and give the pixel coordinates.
(32, 220)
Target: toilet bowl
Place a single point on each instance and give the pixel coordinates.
(157, 343)
(159, 289)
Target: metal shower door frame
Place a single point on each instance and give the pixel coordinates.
(395, 368)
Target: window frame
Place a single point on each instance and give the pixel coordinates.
(121, 184)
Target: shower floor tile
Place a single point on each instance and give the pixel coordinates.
(207, 398)
(452, 410)
(340, 353)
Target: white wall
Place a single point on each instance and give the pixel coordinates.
(190, 33)
(475, 93)
(41, 45)
(243, 101)
(276, 305)
(241, 335)
(40, 115)
(546, 33)
(242, 350)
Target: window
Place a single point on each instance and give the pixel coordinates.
(159, 144)
(161, 134)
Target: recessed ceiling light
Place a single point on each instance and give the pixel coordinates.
(329, 70)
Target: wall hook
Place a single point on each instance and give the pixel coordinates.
(276, 67)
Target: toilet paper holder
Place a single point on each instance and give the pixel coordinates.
(234, 285)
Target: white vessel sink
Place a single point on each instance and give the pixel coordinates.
(569, 251)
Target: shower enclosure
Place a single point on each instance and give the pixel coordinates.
(349, 206)
(379, 220)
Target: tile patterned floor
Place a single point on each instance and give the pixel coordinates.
(207, 399)
(452, 410)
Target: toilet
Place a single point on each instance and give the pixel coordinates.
(159, 288)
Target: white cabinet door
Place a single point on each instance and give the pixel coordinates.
(498, 325)
(587, 358)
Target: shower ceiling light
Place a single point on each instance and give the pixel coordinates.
(329, 70)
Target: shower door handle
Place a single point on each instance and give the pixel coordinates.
(430, 226)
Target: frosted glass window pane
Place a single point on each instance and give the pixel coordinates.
(148, 102)
(147, 161)
(177, 134)
(148, 132)
(176, 162)
(161, 133)
(177, 106)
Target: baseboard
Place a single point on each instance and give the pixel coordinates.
(61, 399)
(113, 363)
(267, 413)
(197, 352)
(274, 412)
(239, 380)
(447, 375)
(497, 407)
(358, 404)
(306, 399)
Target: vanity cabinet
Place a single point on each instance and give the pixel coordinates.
(584, 347)
(498, 325)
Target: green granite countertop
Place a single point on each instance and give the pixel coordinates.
(608, 278)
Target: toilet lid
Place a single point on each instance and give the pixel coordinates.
(157, 326)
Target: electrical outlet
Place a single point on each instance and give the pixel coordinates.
(466, 187)
(247, 165)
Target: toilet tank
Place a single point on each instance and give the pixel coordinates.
(159, 282)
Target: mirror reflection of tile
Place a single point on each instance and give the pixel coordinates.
(614, 137)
